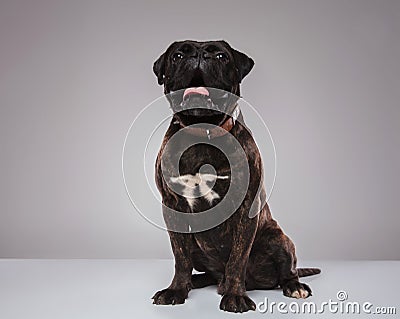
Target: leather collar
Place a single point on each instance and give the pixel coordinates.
(216, 131)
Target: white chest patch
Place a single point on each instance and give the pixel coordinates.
(195, 186)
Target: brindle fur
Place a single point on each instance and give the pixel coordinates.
(241, 253)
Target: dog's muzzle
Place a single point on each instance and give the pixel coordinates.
(208, 99)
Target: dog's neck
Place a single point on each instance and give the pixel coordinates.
(215, 131)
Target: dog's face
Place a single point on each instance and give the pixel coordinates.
(197, 76)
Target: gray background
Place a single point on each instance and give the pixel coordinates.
(74, 74)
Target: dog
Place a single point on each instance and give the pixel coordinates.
(242, 252)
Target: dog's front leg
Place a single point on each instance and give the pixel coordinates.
(181, 284)
(233, 288)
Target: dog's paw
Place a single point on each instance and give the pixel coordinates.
(234, 303)
(295, 289)
(170, 296)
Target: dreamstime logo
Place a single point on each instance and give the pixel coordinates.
(339, 306)
(143, 141)
(342, 295)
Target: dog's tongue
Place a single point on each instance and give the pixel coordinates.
(199, 90)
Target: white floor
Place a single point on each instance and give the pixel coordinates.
(116, 289)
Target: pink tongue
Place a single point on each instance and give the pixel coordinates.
(200, 90)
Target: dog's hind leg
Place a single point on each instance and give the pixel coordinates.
(285, 262)
(273, 263)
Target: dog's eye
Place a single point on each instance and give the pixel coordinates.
(177, 56)
(222, 56)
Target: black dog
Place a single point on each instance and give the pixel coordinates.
(241, 253)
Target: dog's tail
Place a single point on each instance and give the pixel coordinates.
(203, 280)
(304, 272)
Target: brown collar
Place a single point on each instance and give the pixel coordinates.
(216, 131)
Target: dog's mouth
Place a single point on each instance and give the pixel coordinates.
(200, 104)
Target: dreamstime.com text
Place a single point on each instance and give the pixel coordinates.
(339, 306)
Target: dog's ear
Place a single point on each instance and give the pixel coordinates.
(159, 69)
(243, 63)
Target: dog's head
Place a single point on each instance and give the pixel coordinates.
(197, 76)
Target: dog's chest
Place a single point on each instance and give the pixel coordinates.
(198, 186)
(204, 177)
